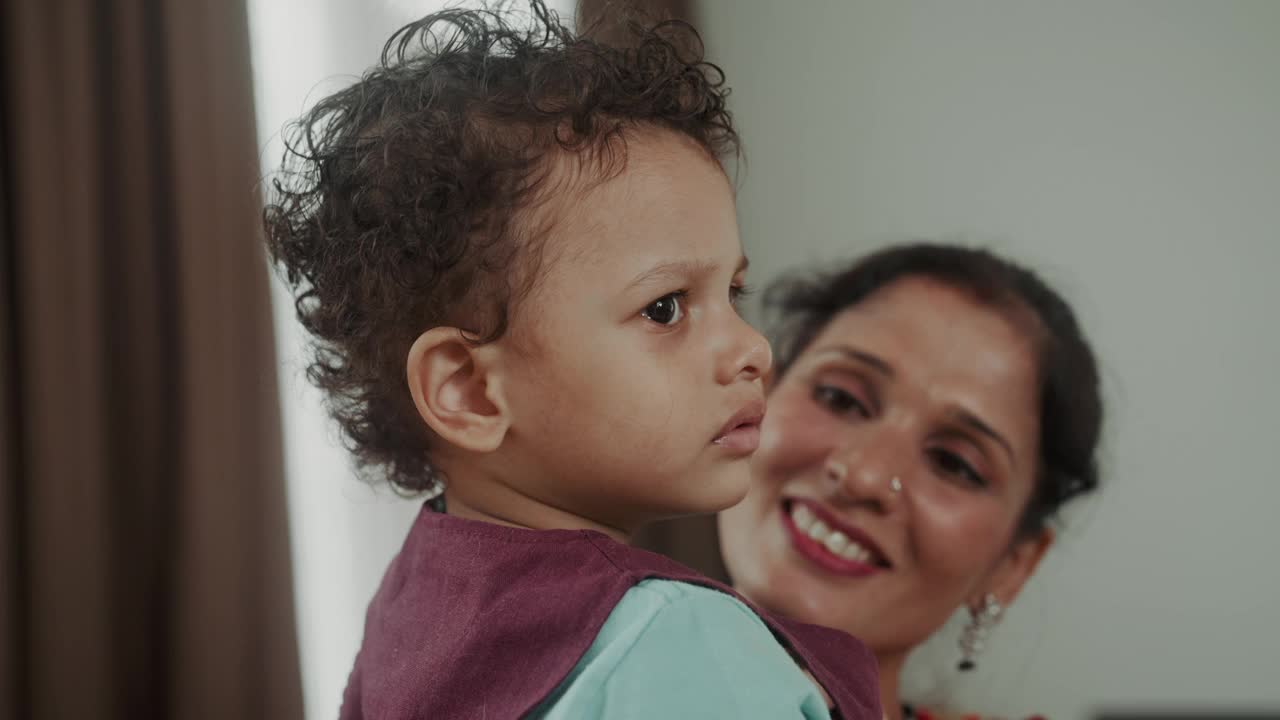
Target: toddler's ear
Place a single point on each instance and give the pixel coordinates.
(453, 391)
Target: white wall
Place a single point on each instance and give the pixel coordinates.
(1131, 152)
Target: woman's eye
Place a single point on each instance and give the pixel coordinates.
(666, 310)
(737, 292)
(953, 465)
(839, 401)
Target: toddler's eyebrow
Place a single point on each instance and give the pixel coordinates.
(683, 270)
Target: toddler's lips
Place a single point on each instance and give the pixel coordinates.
(741, 435)
(742, 440)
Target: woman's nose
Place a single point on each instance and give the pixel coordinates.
(872, 471)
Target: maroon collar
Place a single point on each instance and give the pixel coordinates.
(467, 608)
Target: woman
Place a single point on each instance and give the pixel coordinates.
(933, 408)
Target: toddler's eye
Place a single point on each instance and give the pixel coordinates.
(666, 310)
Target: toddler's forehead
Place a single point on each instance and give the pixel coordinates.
(608, 214)
(578, 216)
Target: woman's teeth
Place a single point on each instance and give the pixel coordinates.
(836, 542)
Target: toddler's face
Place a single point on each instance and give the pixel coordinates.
(634, 367)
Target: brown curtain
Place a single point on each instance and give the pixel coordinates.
(143, 534)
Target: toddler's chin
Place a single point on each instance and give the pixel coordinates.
(726, 488)
(706, 492)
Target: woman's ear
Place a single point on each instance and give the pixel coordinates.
(1017, 567)
(456, 391)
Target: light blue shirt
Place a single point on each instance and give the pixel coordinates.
(673, 650)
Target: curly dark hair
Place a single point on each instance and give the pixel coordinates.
(407, 201)
(1070, 396)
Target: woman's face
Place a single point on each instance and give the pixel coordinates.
(897, 455)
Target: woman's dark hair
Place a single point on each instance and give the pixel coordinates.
(408, 200)
(1070, 398)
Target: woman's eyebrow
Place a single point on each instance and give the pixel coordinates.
(969, 419)
(861, 356)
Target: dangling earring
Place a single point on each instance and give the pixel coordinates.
(974, 636)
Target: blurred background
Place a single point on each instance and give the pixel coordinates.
(182, 535)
